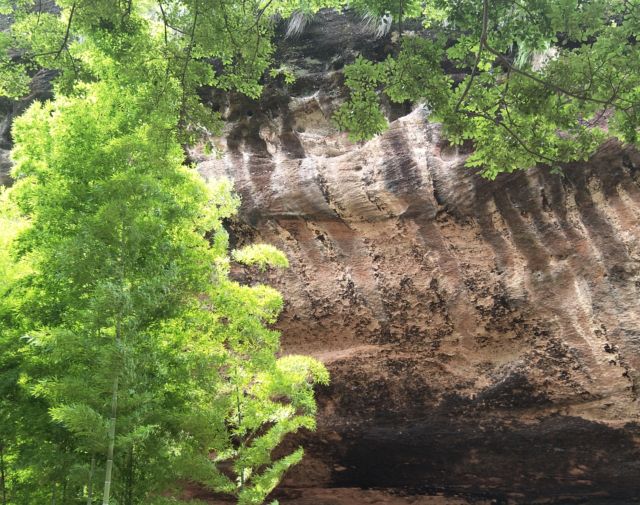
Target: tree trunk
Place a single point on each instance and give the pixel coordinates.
(90, 483)
(2, 476)
(238, 406)
(129, 495)
(112, 441)
(114, 397)
(64, 493)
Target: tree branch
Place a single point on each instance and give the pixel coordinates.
(259, 16)
(515, 137)
(73, 62)
(189, 50)
(483, 38)
(545, 83)
(67, 32)
(228, 28)
(164, 23)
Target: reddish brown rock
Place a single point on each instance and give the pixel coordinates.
(483, 337)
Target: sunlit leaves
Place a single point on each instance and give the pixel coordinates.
(117, 262)
(261, 255)
(361, 115)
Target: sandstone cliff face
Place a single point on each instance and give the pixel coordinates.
(483, 337)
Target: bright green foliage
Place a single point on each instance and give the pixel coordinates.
(126, 351)
(541, 77)
(362, 116)
(414, 72)
(534, 82)
(288, 75)
(14, 81)
(264, 398)
(262, 255)
(128, 357)
(120, 287)
(11, 225)
(115, 243)
(185, 37)
(269, 399)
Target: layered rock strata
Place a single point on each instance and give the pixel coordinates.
(483, 337)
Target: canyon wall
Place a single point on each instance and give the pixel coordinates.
(483, 337)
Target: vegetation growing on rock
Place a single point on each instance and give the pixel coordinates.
(127, 351)
(525, 82)
(129, 359)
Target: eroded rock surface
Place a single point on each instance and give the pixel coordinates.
(483, 337)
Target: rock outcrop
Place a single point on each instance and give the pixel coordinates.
(483, 337)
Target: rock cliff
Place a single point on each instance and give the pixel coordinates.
(483, 337)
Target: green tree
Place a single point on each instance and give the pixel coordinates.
(185, 35)
(110, 320)
(525, 82)
(263, 397)
(540, 78)
(115, 243)
(10, 225)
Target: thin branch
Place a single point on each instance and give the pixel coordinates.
(37, 55)
(259, 16)
(515, 136)
(67, 32)
(164, 23)
(176, 29)
(257, 49)
(483, 38)
(595, 120)
(545, 83)
(3, 485)
(39, 12)
(525, 8)
(228, 28)
(73, 62)
(189, 50)
(166, 49)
